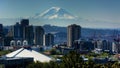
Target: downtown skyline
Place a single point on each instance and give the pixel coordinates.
(91, 14)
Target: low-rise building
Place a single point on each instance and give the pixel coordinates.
(14, 62)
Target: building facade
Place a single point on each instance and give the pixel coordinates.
(24, 23)
(1, 36)
(116, 47)
(73, 33)
(17, 31)
(39, 32)
(49, 39)
(29, 34)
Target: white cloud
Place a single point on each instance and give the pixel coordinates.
(68, 16)
(53, 17)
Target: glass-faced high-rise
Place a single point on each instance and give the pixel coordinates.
(29, 34)
(24, 23)
(39, 32)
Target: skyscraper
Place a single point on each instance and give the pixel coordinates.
(39, 32)
(73, 33)
(1, 36)
(29, 34)
(16, 31)
(49, 39)
(24, 23)
(1, 30)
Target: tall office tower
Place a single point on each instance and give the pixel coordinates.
(73, 33)
(49, 39)
(1, 30)
(24, 23)
(29, 34)
(1, 36)
(39, 32)
(16, 31)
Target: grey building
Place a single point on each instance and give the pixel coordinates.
(17, 31)
(29, 34)
(24, 23)
(38, 36)
(1, 36)
(104, 45)
(73, 33)
(1, 30)
(116, 46)
(49, 39)
(107, 45)
(15, 62)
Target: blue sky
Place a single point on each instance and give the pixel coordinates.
(107, 11)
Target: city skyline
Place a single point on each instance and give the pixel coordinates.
(91, 14)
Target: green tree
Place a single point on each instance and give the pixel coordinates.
(90, 63)
(5, 52)
(53, 51)
(35, 65)
(72, 60)
(116, 65)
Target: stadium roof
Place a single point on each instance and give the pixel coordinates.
(23, 52)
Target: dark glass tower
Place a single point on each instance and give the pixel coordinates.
(39, 32)
(1, 36)
(29, 34)
(16, 31)
(24, 23)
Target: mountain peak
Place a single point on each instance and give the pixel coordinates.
(56, 13)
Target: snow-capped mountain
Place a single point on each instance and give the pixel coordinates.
(55, 13)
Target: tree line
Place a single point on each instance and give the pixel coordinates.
(73, 60)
